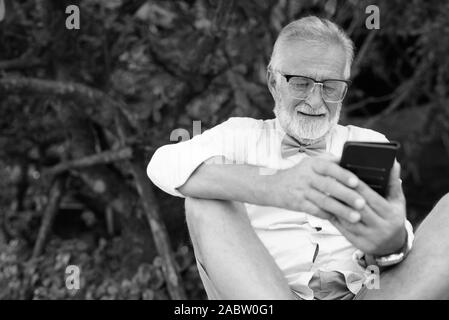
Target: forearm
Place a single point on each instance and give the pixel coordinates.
(242, 183)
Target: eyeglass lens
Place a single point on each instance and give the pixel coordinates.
(332, 90)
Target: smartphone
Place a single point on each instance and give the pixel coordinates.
(371, 162)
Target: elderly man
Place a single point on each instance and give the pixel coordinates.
(270, 212)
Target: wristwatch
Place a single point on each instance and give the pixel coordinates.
(365, 260)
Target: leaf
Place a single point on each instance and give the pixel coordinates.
(155, 14)
(143, 274)
(330, 7)
(206, 105)
(148, 294)
(109, 4)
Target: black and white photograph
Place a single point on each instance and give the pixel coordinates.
(231, 150)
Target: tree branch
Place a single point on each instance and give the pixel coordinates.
(57, 88)
(26, 60)
(403, 93)
(66, 90)
(361, 104)
(161, 239)
(20, 63)
(151, 210)
(99, 158)
(56, 192)
(363, 50)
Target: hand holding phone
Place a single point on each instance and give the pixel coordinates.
(371, 162)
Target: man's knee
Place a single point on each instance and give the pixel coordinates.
(439, 215)
(205, 209)
(203, 216)
(444, 201)
(193, 207)
(442, 206)
(197, 208)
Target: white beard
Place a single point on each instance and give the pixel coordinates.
(305, 130)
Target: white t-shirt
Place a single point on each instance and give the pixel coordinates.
(291, 237)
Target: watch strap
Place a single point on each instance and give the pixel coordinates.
(365, 260)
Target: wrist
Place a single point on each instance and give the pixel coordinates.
(396, 246)
(268, 185)
(402, 243)
(389, 259)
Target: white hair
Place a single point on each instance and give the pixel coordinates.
(314, 30)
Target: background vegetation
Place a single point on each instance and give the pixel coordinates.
(82, 111)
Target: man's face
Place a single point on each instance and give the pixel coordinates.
(310, 118)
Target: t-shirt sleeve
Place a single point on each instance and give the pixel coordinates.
(172, 165)
(363, 134)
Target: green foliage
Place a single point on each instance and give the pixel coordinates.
(170, 63)
(100, 276)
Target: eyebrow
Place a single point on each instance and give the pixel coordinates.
(309, 75)
(289, 76)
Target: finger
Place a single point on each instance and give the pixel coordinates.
(328, 185)
(314, 210)
(332, 206)
(350, 236)
(379, 205)
(331, 169)
(369, 217)
(357, 229)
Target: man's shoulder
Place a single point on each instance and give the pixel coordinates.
(247, 123)
(355, 133)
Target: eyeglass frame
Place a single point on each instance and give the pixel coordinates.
(315, 82)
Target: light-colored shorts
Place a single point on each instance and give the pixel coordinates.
(318, 283)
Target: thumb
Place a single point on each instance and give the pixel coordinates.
(395, 183)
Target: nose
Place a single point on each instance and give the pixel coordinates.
(315, 99)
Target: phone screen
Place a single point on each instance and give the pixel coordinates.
(371, 162)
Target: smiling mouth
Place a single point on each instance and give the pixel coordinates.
(318, 115)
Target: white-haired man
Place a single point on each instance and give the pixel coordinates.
(270, 212)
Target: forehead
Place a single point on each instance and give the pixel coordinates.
(314, 60)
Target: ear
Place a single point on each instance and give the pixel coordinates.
(271, 81)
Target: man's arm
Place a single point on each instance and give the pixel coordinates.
(242, 183)
(301, 188)
(305, 187)
(316, 185)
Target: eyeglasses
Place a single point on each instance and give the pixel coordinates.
(332, 90)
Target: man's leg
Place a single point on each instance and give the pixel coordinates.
(425, 272)
(234, 259)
